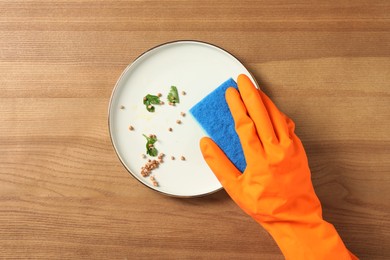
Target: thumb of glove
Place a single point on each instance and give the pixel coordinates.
(219, 163)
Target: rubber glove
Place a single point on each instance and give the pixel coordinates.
(275, 189)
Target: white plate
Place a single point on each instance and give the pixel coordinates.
(194, 67)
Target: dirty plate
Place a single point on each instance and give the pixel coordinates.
(194, 67)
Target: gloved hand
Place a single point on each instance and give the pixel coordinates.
(275, 189)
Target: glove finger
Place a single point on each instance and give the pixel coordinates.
(278, 119)
(290, 125)
(256, 110)
(244, 126)
(221, 166)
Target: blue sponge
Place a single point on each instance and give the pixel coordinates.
(213, 114)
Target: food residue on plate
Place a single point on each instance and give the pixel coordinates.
(150, 100)
(155, 183)
(150, 141)
(173, 96)
(151, 164)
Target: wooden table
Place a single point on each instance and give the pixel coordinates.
(64, 193)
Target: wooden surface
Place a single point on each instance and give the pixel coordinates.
(64, 193)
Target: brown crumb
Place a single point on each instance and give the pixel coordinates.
(170, 129)
(159, 95)
(183, 114)
(182, 158)
(178, 121)
(149, 167)
(131, 128)
(172, 157)
(122, 107)
(183, 93)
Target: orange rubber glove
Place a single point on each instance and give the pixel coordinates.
(275, 189)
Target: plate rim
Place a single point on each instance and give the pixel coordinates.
(116, 87)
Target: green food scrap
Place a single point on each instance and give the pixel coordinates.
(150, 100)
(150, 149)
(173, 96)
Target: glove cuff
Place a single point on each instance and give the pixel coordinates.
(318, 240)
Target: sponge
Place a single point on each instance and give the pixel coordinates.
(213, 115)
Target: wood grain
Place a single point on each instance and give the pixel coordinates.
(63, 192)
